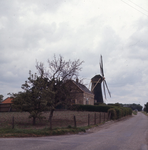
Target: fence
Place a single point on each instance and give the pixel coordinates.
(93, 119)
(60, 119)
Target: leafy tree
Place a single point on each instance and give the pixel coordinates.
(1, 98)
(48, 89)
(135, 106)
(60, 71)
(146, 107)
(32, 98)
(132, 106)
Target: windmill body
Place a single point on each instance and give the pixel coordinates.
(96, 85)
(96, 88)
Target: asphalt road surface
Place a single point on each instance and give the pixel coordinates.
(127, 134)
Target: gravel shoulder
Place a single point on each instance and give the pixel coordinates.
(107, 124)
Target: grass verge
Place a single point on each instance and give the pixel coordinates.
(16, 132)
(135, 112)
(145, 113)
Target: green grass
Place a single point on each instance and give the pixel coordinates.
(17, 132)
(145, 113)
(135, 112)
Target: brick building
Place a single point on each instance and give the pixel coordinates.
(80, 93)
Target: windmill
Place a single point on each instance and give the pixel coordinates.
(96, 82)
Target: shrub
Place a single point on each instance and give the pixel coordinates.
(126, 111)
(118, 112)
(112, 111)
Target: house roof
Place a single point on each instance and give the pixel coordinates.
(7, 100)
(82, 87)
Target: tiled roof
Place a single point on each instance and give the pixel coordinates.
(7, 100)
(83, 87)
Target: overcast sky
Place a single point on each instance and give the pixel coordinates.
(33, 30)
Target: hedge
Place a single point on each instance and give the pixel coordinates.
(95, 108)
(113, 113)
(120, 112)
(117, 112)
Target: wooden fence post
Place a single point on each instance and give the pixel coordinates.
(100, 117)
(13, 122)
(95, 119)
(104, 116)
(75, 123)
(109, 115)
(88, 119)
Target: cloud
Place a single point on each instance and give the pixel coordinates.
(36, 30)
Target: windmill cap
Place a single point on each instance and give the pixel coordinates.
(96, 78)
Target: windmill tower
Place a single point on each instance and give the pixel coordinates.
(96, 83)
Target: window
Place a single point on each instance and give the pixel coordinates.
(87, 101)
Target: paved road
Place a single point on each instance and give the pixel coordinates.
(128, 134)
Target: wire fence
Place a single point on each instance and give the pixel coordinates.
(60, 119)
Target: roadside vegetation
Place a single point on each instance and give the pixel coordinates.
(115, 110)
(145, 113)
(145, 110)
(146, 107)
(135, 112)
(17, 132)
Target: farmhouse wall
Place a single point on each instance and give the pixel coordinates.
(88, 99)
(79, 96)
(76, 93)
(6, 107)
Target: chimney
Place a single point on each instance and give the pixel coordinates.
(77, 80)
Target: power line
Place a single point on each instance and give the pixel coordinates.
(134, 8)
(138, 6)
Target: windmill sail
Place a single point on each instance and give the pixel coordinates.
(107, 88)
(101, 66)
(104, 81)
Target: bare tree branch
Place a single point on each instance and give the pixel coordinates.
(59, 68)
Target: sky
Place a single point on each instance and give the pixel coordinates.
(35, 30)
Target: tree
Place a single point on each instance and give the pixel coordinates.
(32, 98)
(135, 106)
(59, 72)
(146, 107)
(1, 98)
(47, 89)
